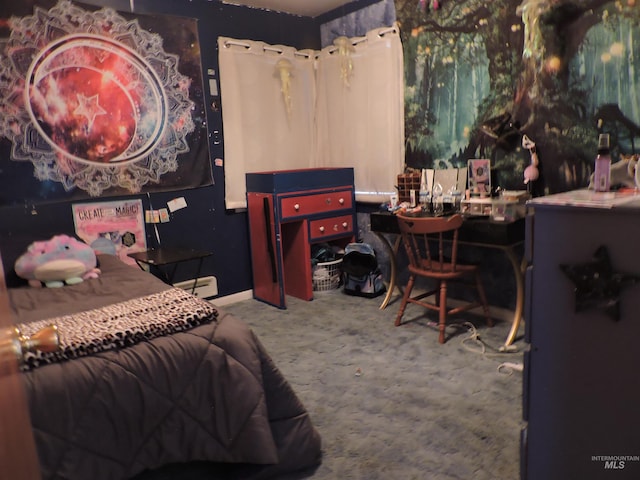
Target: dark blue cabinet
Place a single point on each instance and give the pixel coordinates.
(581, 395)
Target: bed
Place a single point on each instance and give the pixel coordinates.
(150, 379)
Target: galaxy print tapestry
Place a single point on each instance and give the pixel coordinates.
(96, 103)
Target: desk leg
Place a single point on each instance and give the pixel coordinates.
(393, 252)
(517, 266)
(172, 275)
(195, 282)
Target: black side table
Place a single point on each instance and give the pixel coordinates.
(164, 256)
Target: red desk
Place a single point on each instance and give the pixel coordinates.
(288, 212)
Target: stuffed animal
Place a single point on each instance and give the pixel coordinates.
(58, 261)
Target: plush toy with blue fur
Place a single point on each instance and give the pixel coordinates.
(61, 260)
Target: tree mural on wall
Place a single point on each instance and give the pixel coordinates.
(481, 74)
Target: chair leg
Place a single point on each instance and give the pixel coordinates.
(405, 299)
(483, 299)
(442, 312)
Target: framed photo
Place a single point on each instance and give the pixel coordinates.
(479, 177)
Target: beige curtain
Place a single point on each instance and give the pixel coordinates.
(260, 132)
(360, 119)
(333, 119)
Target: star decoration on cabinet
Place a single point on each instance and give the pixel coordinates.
(597, 285)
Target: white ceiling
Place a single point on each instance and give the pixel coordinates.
(305, 8)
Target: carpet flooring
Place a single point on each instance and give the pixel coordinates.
(391, 402)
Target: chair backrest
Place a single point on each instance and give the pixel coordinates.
(425, 241)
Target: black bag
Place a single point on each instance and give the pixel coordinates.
(361, 275)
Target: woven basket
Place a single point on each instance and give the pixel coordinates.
(327, 275)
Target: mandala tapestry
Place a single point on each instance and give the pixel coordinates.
(99, 103)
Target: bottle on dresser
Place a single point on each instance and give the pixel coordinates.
(602, 171)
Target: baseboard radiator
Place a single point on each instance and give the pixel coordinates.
(206, 287)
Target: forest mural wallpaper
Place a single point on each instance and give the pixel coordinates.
(97, 103)
(480, 76)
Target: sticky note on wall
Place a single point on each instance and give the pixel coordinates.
(176, 204)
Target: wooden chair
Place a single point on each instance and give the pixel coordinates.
(426, 239)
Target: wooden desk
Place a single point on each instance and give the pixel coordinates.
(163, 256)
(476, 231)
(288, 211)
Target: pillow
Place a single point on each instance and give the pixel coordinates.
(61, 260)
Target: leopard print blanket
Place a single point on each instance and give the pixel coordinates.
(120, 325)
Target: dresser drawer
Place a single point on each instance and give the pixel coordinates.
(330, 227)
(304, 205)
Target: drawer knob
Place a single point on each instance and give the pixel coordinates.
(341, 201)
(322, 229)
(345, 225)
(296, 206)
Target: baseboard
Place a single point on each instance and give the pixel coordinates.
(233, 298)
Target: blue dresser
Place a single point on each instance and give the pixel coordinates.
(581, 394)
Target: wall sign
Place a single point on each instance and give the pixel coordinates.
(113, 228)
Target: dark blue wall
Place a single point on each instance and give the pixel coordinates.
(204, 224)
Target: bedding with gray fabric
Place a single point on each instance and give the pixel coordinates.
(209, 392)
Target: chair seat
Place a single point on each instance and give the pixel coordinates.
(432, 254)
(444, 270)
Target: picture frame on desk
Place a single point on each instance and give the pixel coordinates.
(479, 177)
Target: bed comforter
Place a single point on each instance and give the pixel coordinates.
(113, 404)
